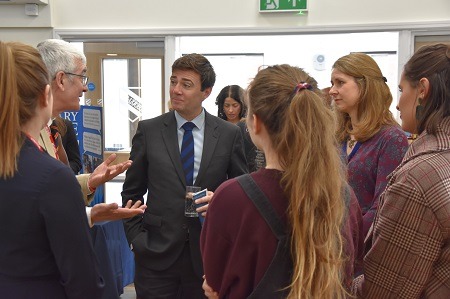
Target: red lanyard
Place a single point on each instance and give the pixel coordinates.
(34, 141)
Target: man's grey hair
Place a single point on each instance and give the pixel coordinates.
(59, 55)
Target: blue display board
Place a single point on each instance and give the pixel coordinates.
(88, 124)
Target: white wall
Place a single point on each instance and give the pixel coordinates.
(298, 50)
(31, 36)
(178, 17)
(239, 13)
(15, 25)
(13, 15)
(163, 14)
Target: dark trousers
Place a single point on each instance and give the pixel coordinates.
(179, 281)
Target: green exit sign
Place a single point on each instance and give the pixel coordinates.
(282, 5)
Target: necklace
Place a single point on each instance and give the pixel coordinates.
(351, 142)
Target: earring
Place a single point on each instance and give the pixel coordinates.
(419, 109)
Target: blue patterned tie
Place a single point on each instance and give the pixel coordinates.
(187, 153)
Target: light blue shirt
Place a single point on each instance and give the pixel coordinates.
(199, 135)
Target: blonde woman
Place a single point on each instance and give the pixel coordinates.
(293, 246)
(371, 140)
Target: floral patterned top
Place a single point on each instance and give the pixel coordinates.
(370, 165)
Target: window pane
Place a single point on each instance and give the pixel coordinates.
(132, 92)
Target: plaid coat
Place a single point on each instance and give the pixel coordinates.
(410, 254)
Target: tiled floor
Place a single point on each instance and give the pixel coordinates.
(128, 292)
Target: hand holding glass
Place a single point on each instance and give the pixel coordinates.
(189, 203)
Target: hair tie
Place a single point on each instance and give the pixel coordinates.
(384, 79)
(301, 86)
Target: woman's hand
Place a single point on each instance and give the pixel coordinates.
(209, 292)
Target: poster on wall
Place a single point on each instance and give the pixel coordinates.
(88, 125)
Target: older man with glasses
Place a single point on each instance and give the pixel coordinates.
(67, 67)
(84, 79)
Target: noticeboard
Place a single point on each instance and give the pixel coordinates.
(88, 125)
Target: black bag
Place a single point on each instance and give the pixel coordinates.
(278, 275)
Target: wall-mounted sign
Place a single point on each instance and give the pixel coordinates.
(91, 86)
(282, 5)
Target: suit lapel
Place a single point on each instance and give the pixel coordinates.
(209, 145)
(46, 143)
(170, 137)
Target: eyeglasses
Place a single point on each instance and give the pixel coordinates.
(84, 79)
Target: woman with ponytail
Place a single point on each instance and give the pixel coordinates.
(45, 244)
(297, 243)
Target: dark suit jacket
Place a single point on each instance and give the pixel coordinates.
(158, 237)
(71, 146)
(45, 245)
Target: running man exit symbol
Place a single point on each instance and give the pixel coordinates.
(272, 4)
(282, 5)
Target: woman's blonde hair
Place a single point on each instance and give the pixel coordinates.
(302, 132)
(375, 98)
(23, 79)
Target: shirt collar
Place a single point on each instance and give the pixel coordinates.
(199, 121)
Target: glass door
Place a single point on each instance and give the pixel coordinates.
(131, 92)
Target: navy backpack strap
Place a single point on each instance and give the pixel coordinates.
(262, 204)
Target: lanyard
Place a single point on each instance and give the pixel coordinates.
(34, 141)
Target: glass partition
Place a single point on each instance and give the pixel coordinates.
(131, 92)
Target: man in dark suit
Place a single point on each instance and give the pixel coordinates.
(164, 241)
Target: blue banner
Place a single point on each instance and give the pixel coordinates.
(88, 125)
